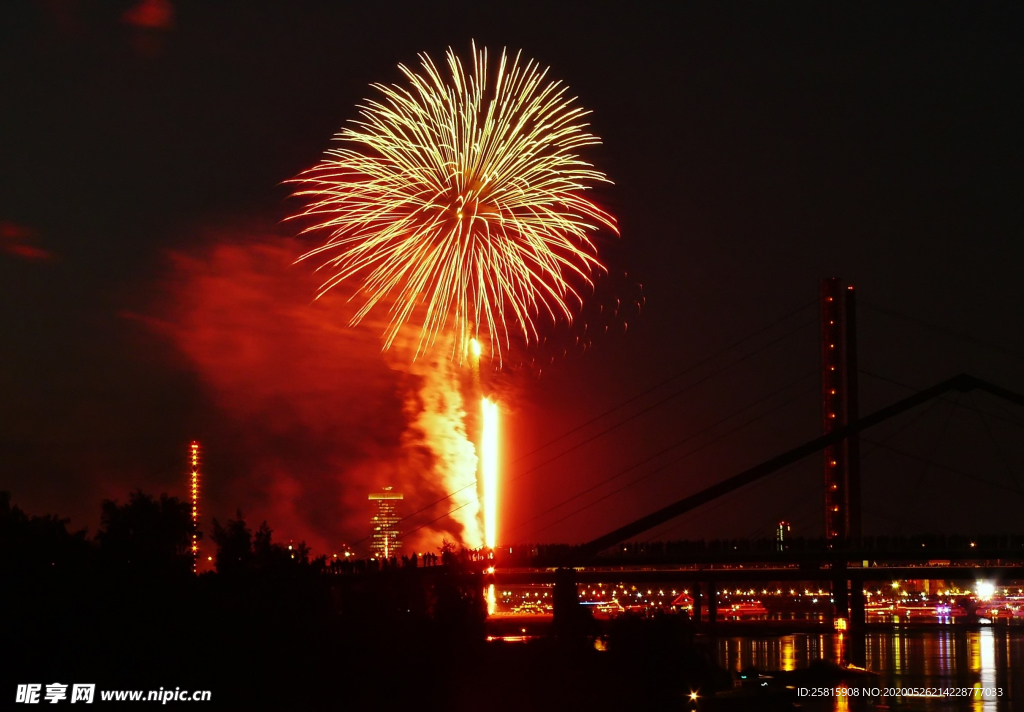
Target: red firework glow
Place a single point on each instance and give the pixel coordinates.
(321, 415)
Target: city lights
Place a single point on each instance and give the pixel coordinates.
(984, 590)
(385, 538)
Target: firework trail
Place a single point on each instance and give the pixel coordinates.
(457, 203)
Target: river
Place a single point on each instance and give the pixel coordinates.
(944, 661)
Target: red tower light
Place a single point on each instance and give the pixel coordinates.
(194, 491)
(833, 406)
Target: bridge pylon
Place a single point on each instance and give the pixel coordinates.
(838, 362)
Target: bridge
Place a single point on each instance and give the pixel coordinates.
(844, 563)
(844, 559)
(706, 572)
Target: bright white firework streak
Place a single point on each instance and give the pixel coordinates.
(489, 458)
(492, 602)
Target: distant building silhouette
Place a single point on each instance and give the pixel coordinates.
(386, 541)
(782, 535)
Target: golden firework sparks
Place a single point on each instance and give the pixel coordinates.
(458, 203)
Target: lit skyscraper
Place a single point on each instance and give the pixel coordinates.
(386, 542)
(781, 534)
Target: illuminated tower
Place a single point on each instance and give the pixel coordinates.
(194, 489)
(781, 534)
(833, 407)
(839, 407)
(852, 415)
(385, 541)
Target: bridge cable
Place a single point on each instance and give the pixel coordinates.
(943, 330)
(973, 478)
(999, 451)
(875, 449)
(689, 369)
(879, 514)
(722, 501)
(933, 451)
(813, 491)
(662, 468)
(943, 398)
(669, 448)
(607, 430)
(666, 399)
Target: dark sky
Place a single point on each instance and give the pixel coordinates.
(755, 148)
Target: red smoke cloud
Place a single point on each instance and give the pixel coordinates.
(318, 418)
(15, 240)
(151, 14)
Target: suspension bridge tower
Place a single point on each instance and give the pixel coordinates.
(839, 407)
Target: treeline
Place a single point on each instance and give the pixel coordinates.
(272, 629)
(146, 535)
(269, 629)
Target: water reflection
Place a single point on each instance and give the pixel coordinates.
(946, 651)
(982, 660)
(789, 653)
(843, 700)
(986, 645)
(786, 652)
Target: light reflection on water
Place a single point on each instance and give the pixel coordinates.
(986, 657)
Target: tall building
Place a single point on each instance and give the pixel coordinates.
(386, 541)
(781, 536)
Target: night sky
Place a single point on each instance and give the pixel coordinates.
(148, 297)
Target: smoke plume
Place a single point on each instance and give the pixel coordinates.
(313, 415)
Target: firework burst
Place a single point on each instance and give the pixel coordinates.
(457, 203)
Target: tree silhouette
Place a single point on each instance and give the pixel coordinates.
(146, 535)
(38, 542)
(234, 545)
(241, 551)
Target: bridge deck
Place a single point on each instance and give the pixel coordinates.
(791, 573)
